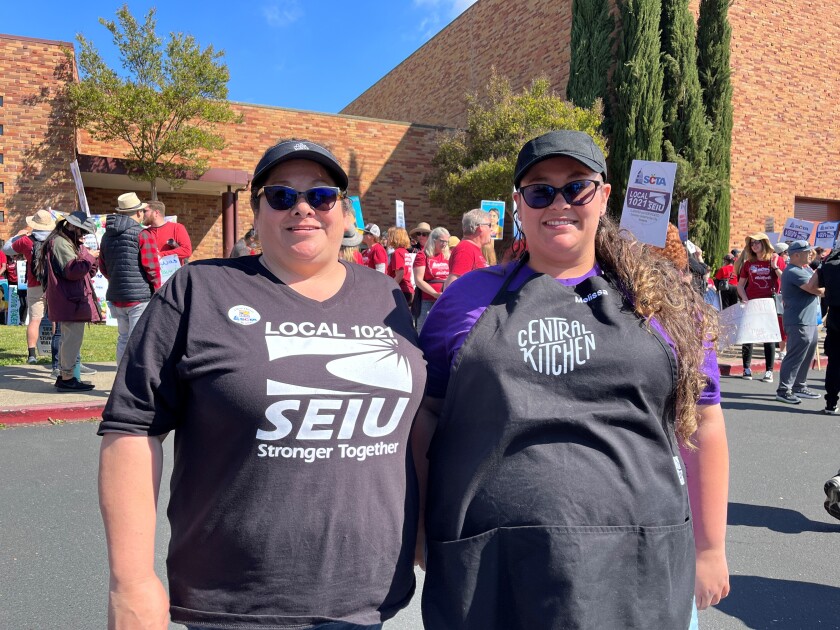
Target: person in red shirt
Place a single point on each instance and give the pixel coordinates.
(431, 268)
(478, 231)
(726, 282)
(375, 255)
(400, 265)
(758, 277)
(171, 237)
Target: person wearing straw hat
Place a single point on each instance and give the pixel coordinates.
(25, 243)
(419, 235)
(69, 268)
(130, 259)
(759, 269)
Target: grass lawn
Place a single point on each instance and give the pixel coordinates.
(99, 345)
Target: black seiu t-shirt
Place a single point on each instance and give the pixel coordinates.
(293, 494)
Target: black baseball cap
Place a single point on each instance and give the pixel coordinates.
(298, 150)
(574, 144)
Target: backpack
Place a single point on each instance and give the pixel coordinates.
(38, 268)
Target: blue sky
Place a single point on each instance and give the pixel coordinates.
(306, 54)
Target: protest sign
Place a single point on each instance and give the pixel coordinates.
(498, 219)
(826, 234)
(357, 209)
(516, 233)
(647, 204)
(769, 224)
(21, 274)
(797, 230)
(400, 206)
(45, 334)
(774, 237)
(682, 220)
(168, 265)
(753, 322)
(13, 306)
(80, 187)
(100, 288)
(409, 267)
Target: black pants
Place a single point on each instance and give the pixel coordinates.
(728, 297)
(832, 351)
(769, 355)
(22, 311)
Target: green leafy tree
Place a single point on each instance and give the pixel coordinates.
(478, 162)
(165, 106)
(636, 114)
(686, 133)
(591, 52)
(713, 39)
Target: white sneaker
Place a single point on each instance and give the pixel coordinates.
(768, 377)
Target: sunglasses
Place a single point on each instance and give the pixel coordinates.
(421, 233)
(577, 193)
(321, 198)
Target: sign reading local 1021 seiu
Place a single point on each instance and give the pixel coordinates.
(647, 204)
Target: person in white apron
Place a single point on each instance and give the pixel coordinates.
(555, 494)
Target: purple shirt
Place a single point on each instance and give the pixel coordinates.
(459, 307)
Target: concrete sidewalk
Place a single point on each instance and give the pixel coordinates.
(27, 395)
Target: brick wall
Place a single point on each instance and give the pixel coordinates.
(785, 85)
(523, 39)
(37, 144)
(385, 161)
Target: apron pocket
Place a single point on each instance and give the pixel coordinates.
(564, 578)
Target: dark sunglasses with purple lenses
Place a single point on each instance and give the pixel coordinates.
(321, 198)
(576, 193)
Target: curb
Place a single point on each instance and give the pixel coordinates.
(736, 369)
(51, 414)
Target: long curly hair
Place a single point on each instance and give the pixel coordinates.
(656, 289)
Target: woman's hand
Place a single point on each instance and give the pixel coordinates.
(142, 605)
(711, 578)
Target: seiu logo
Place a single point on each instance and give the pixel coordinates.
(652, 180)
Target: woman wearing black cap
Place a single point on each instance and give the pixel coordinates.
(290, 380)
(559, 389)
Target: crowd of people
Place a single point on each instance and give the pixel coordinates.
(487, 422)
(60, 268)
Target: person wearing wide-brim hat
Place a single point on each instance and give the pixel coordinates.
(290, 380)
(759, 276)
(28, 243)
(420, 235)
(68, 270)
(351, 241)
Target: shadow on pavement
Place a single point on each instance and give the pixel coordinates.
(780, 520)
(761, 602)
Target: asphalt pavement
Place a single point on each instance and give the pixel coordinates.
(782, 545)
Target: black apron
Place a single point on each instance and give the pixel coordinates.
(556, 494)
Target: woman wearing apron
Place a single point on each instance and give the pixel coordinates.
(560, 387)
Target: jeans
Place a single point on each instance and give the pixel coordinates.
(425, 307)
(332, 625)
(126, 317)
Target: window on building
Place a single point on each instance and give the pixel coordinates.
(1, 158)
(1, 130)
(816, 209)
(2, 217)
(1, 101)
(2, 188)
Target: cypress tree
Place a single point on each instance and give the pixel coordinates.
(637, 111)
(591, 52)
(713, 38)
(686, 132)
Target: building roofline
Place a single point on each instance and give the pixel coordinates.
(416, 52)
(347, 116)
(38, 40)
